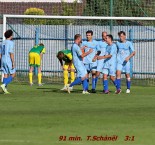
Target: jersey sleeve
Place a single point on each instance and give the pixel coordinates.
(131, 47)
(78, 51)
(69, 55)
(11, 48)
(98, 46)
(43, 51)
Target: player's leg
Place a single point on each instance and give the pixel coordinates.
(31, 75)
(31, 64)
(118, 76)
(105, 81)
(72, 73)
(93, 68)
(87, 67)
(128, 80)
(65, 75)
(39, 76)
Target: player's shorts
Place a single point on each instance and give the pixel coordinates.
(66, 66)
(34, 59)
(7, 69)
(81, 70)
(110, 71)
(125, 67)
(100, 64)
(91, 67)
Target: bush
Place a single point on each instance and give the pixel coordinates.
(34, 11)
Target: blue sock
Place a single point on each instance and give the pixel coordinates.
(93, 83)
(115, 84)
(76, 82)
(105, 85)
(85, 84)
(4, 80)
(8, 80)
(96, 80)
(128, 84)
(118, 84)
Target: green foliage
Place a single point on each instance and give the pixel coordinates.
(67, 10)
(34, 11)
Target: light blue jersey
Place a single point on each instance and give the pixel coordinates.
(5, 50)
(90, 45)
(124, 50)
(77, 60)
(110, 63)
(100, 63)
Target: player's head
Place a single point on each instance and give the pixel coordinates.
(122, 36)
(8, 34)
(41, 44)
(89, 35)
(78, 38)
(109, 39)
(60, 55)
(104, 36)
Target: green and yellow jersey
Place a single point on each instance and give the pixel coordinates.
(67, 55)
(37, 49)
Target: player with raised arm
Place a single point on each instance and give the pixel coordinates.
(78, 64)
(35, 57)
(89, 61)
(7, 60)
(125, 53)
(109, 63)
(66, 56)
(100, 63)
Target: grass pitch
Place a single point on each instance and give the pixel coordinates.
(40, 115)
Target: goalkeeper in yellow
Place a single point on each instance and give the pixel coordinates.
(35, 57)
(66, 56)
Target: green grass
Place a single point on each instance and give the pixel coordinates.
(39, 115)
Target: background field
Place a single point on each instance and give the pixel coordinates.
(39, 115)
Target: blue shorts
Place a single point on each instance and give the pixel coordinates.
(81, 71)
(110, 71)
(91, 67)
(7, 69)
(125, 67)
(100, 64)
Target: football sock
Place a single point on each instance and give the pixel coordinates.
(72, 76)
(84, 84)
(8, 80)
(105, 83)
(39, 78)
(76, 82)
(128, 83)
(93, 83)
(96, 80)
(65, 77)
(118, 84)
(30, 77)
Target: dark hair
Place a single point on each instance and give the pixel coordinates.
(8, 34)
(41, 44)
(77, 36)
(121, 32)
(110, 36)
(89, 31)
(60, 53)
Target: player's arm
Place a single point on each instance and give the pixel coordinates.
(42, 52)
(86, 53)
(132, 53)
(104, 57)
(12, 60)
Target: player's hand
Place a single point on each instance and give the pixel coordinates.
(90, 50)
(69, 69)
(84, 47)
(127, 59)
(62, 67)
(95, 58)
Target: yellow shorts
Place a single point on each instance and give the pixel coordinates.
(66, 66)
(34, 59)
